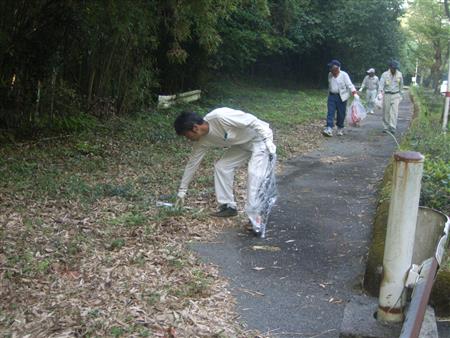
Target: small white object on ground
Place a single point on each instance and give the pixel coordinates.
(163, 204)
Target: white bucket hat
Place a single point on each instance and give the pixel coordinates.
(371, 70)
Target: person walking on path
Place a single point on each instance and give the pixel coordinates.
(246, 138)
(390, 89)
(371, 83)
(339, 88)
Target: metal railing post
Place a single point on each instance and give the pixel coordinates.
(399, 244)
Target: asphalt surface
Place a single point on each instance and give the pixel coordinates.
(296, 282)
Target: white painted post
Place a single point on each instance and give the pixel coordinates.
(401, 227)
(446, 22)
(447, 99)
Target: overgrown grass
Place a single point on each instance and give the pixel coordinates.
(78, 167)
(279, 106)
(426, 137)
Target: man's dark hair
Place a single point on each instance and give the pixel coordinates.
(394, 64)
(185, 122)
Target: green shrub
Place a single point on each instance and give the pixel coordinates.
(425, 136)
(436, 185)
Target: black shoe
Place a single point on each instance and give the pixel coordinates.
(249, 227)
(257, 233)
(225, 211)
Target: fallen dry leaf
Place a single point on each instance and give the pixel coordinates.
(266, 248)
(258, 268)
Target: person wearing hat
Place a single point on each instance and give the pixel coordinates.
(390, 89)
(371, 83)
(339, 88)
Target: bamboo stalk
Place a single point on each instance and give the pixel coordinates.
(91, 85)
(52, 100)
(38, 100)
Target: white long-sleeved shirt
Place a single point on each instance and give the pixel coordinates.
(341, 84)
(227, 127)
(391, 83)
(370, 82)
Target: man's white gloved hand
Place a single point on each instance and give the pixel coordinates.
(380, 96)
(179, 203)
(270, 146)
(356, 96)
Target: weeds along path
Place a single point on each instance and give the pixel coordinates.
(84, 249)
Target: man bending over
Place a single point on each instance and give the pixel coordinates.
(246, 138)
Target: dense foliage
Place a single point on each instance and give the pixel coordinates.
(436, 148)
(427, 46)
(423, 136)
(296, 38)
(62, 59)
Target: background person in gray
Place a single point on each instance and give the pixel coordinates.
(390, 88)
(339, 88)
(370, 82)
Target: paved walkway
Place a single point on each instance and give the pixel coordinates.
(296, 282)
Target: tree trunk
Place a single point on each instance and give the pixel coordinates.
(38, 100)
(52, 99)
(122, 70)
(91, 85)
(436, 67)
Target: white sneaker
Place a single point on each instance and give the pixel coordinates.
(328, 132)
(371, 112)
(340, 132)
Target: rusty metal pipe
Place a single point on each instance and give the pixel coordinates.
(401, 227)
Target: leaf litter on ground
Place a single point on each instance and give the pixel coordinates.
(88, 253)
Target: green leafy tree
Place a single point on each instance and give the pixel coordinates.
(430, 36)
(115, 53)
(188, 34)
(257, 29)
(297, 38)
(31, 35)
(62, 59)
(362, 34)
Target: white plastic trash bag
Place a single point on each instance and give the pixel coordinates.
(379, 101)
(356, 113)
(259, 207)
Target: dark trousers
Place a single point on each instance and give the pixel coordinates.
(336, 105)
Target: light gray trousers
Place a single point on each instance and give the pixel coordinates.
(233, 158)
(371, 95)
(390, 110)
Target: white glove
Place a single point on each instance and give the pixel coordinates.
(380, 96)
(356, 96)
(270, 146)
(179, 203)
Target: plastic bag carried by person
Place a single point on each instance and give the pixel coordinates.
(356, 113)
(265, 198)
(379, 101)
